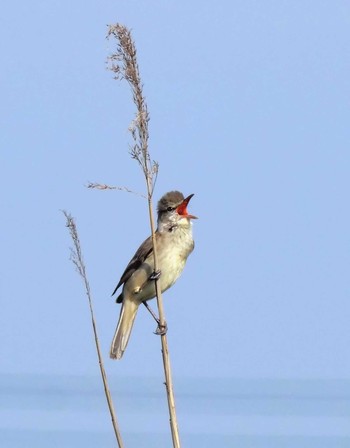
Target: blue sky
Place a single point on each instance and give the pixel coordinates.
(249, 105)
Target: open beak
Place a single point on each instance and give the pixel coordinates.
(182, 208)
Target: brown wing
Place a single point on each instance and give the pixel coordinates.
(140, 256)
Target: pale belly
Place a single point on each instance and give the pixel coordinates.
(170, 263)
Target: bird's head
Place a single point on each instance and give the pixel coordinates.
(172, 210)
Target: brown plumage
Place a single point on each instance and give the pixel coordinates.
(174, 244)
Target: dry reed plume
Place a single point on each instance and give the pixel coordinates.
(123, 63)
(78, 261)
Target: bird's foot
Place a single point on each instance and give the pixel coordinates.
(155, 275)
(161, 329)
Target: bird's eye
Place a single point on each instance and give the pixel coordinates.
(170, 209)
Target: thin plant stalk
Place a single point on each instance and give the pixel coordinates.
(165, 351)
(123, 63)
(77, 259)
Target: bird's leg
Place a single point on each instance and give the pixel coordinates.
(161, 329)
(155, 317)
(155, 275)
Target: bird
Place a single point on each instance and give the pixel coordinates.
(174, 244)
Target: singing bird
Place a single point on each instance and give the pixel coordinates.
(174, 244)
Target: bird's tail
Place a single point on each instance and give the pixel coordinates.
(122, 333)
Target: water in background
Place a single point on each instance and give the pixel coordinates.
(71, 411)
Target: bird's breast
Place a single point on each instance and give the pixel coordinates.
(173, 248)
